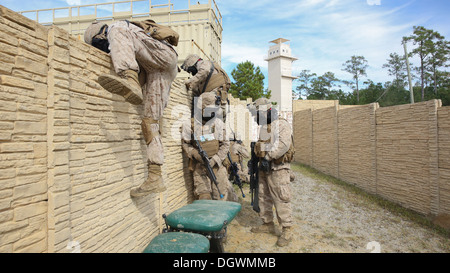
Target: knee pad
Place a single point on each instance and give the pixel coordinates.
(149, 135)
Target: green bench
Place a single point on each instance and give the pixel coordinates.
(189, 226)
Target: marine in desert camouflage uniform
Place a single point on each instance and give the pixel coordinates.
(207, 76)
(145, 69)
(211, 134)
(275, 148)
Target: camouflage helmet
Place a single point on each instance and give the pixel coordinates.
(210, 103)
(92, 31)
(262, 102)
(257, 104)
(190, 60)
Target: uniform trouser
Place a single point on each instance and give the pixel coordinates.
(274, 190)
(132, 49)
(203, 185)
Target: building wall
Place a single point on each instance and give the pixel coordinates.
(71, 151)
(24, 121)
(199, 25)
(400, 152)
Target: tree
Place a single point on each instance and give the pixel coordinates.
(397, 67)
(356, 66)
(248, 82)
(321, 87)
(427, 51)
(439, 56)
(305, 79)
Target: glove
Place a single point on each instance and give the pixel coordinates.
(226, 163)
(258, 150)
(196, 155)
(213, 162)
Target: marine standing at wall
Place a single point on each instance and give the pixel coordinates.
(207, 127)
(275, 151)
(145, 68)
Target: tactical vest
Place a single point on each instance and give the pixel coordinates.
(234, 157)
(211, 147)
(158, 32)
(220, 79)
(288, 156)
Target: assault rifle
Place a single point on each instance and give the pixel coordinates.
(209, 170)
(234, 173)
(254, 178)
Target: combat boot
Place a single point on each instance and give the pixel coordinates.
(126, 85)
(153, 184)
(286, 237)
(204, 196)
(265, 228)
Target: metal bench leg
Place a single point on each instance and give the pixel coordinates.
(216, 245)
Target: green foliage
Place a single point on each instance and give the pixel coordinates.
(434, 82)
(356, 66)
(248, 82)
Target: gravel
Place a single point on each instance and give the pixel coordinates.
(330, 219)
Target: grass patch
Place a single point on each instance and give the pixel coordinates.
(390, 206)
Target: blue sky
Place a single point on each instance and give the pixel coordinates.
(323, 34)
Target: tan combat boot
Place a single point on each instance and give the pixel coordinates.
(204, 196)
(265, 228)
(126, 85)
(153, 184)
(286, 237)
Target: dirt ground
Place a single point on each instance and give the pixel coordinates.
(328, 218)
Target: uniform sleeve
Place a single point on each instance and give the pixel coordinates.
(242, 151)
(203, 67)
(282, 135)
(224, 143)
(186, 138)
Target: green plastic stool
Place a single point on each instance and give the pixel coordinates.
(203, 216)
(207, 217)
(178, 242)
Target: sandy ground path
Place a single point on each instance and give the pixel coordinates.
(331, 219)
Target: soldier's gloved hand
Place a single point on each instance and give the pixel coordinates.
(213, 162)
(196, 155)
(226, 163)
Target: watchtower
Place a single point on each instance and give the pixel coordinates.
(280, 74)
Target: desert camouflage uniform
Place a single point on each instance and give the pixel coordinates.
(197, 81)
(238, 152)
(202, 184)
(156, 61)
(274, 186)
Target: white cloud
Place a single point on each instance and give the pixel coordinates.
(323, 34)
(237, 52)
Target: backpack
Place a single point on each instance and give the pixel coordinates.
(158, 32)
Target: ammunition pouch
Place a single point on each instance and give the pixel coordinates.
(210, 147)
(288, 156)
(149, 135)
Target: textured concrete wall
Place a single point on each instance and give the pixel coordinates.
(325, 140)
(23, 134)
(444, 159)
(71, 151)
(357, 146)
(400, 153)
